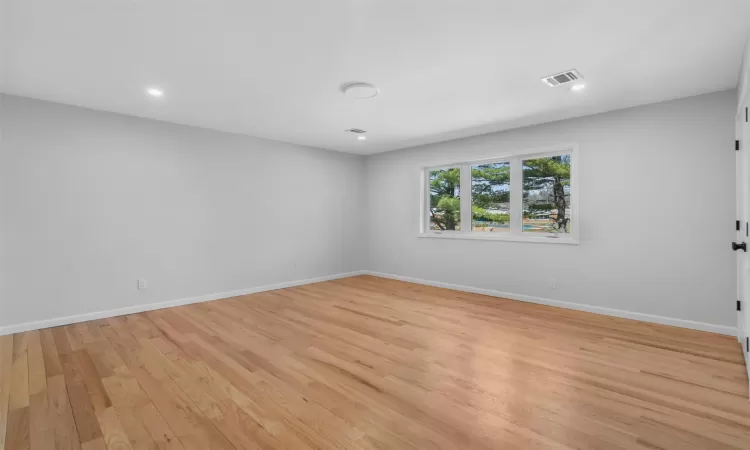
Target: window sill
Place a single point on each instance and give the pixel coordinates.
(478, 236)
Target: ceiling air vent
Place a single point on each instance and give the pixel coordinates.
(562, 78)
(355, 131)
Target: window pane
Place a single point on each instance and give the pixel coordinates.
(490, 197)
(445, 199)
(546, 195)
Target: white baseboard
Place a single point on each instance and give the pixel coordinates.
(39, 324)
(702, 326)
(36, 325)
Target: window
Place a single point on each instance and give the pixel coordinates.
(525, 196)
(445, 199)
(490, 197)
(546, 195)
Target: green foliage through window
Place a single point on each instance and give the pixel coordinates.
(546, 194)
(490, 197)
(445, 199)
(513, 195)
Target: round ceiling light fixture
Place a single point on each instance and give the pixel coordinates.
(155, 92)
(361, 90)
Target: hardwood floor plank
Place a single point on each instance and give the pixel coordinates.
(127, 399)
(52, 366)
(141, 421)
(61, 413)
(41, 427)
(80, 400)
(91, 379)
(184, 418)
(6, 375)
(113, 433)
(62, 344)
(37, 373)
(96, 444)
(370, 363)
(233, 423)
(17, 437)
(189, 424)
(160, 432)
(19, 393)
(40, 423)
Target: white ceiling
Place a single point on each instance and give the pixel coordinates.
(445, 68)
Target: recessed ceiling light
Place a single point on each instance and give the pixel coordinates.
(155, 92)
(361, 90)
(578, 87)
(361, 138)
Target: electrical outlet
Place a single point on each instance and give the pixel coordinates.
(142, 283)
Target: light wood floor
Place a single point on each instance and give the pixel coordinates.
(369, 363)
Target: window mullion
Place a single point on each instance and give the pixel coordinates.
(465, 198)
(425, 201)
(516, 196)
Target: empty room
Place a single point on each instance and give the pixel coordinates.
(374, 224)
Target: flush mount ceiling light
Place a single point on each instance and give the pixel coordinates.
(578, 87)
(155, 92)
(360, 90)
(361, 138)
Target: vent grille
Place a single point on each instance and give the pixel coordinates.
(562, 78)
(355, 131)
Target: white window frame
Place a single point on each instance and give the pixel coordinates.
(516, 233)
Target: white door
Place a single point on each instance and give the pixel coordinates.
(743, 215)
(742, 224)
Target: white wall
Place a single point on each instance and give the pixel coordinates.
(666, 170)
(92, 201)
